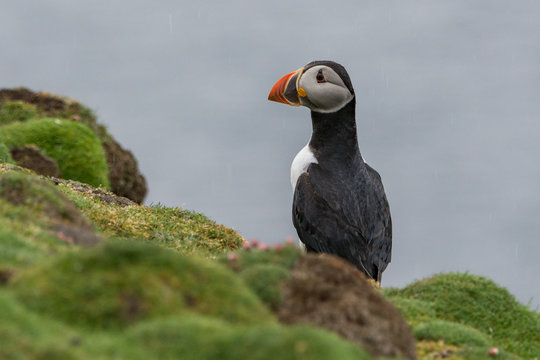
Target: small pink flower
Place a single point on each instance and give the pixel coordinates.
(76, 117)
(232, 256)
(254, 242)
(64, 237)
(278, 247)
(289, 240)
(246, 246)
(493, 351)
(263, 246)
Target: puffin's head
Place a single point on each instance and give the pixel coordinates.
(322, 86)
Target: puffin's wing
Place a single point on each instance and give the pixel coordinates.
(364, 239)
(380, 236)
(323, 229)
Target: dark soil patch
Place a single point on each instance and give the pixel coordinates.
(32, 158)
(78, 235)
(5, 276)
(327, 292)
(124, 175)
(45, 102)
(132, 308)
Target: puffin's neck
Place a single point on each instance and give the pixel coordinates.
(334, 135)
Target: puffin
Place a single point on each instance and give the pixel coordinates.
(339, 204)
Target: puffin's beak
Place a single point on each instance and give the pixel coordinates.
(286, 89)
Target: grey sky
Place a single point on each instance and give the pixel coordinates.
(447, 108)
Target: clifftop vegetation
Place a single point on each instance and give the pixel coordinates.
(88, 274)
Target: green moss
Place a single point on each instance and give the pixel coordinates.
(35, 194)
(24, 335)
(284, 256)
(265, 281)
(451, 333)
(196, 337)
(414, 311)
(29, 206)
(12, 111)
(481, 304)
(15, 250)
(5, 155)
(182, 230)
(24, 239)
(264, 270)
(74, 146)
(120, 283)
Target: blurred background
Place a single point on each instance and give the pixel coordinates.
(448, 111)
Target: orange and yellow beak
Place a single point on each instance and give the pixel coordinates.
(286, 90)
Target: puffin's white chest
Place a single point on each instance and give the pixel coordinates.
(301, 162)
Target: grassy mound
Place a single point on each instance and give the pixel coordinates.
(264, 270)
(198, 337)
(121, 283)
(20, 104)
(182, 230)
(265, 280)
(30, 211)
(39, 195)
(452, 333)
(24, 335)
(470, 301)
(75, 147)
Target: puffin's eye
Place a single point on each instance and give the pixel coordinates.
(320, 77)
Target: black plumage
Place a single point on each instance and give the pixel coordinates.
(339, 205)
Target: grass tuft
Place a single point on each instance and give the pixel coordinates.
(16, 110)
(5, 155)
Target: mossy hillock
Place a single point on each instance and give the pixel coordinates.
(214, 339)
(76, 148)
(34, 219)
(20, 105)
(121, 283)
(25, 335)
(469, 311)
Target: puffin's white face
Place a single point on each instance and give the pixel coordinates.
(321, 89)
